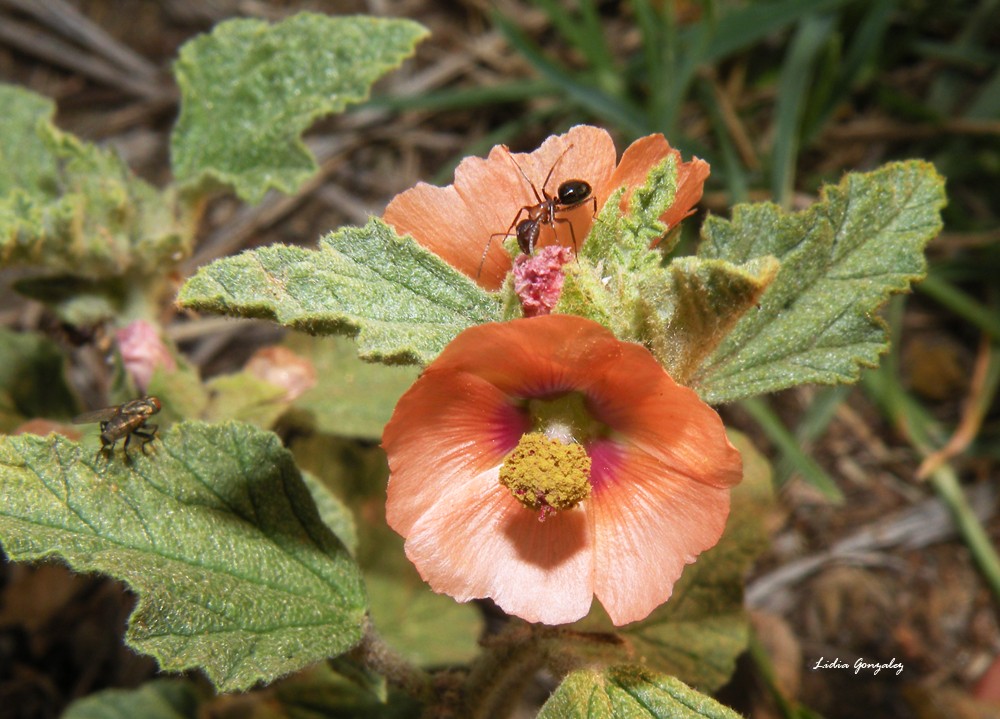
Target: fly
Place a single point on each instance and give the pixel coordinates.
(124, 420)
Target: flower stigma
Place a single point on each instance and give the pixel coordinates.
(546, 475)
(549, 469)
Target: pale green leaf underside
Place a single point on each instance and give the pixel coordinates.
(693, 303)
(629, 692)
(840, 260)
(249, 90)
(215, 532)
(73, 208)
(403, 302)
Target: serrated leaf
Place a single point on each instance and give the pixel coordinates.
(74, 209)
(701, 630)
(690, 305)
(352, 398)
(840, 260)
(158, 699)
(403, 302)
(216, 533)
(249, 90)
(629, 692)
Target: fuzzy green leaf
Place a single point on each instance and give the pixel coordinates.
(690, 305)
(629, 692)
(403, 302)
(74, 209)
(158, 699)
(215, 532)
(840, 260)
(352, 398)
(250, 89)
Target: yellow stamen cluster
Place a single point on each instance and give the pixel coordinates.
(547, 474)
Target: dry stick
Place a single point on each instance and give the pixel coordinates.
(976, 405)
(71, 23)
(926, 523)
(34, 42)
(737, 130)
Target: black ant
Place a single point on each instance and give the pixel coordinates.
(570, 194)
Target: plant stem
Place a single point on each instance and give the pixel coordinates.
(375, 655)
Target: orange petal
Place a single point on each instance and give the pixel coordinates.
(644, 154)
(439, 219)
(670, 422)
(446, 430)
(533, 357)
(464, 220)
(487, 544)
(648, 523)
(691, 178)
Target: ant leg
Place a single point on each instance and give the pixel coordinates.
(572, 232)
(482, 260)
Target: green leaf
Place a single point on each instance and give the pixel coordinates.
(352, 398)
(840, 260)
(701, 630)
(245, 398)
(249, 90)
(629, 692)
(215, 533)
(692, 304)
(403, 302)
(333, 512)
(32, 375)
(428, 629)
(74, 209)
(158, 699)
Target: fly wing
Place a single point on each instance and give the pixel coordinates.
(98, 415)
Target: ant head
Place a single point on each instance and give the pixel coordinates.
(573, 192)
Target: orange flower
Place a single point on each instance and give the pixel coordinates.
(459, 221)
(552, 418)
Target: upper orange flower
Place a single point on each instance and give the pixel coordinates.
(552, 418)
(459, 221)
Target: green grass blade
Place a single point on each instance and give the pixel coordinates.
(793, 91)
(791, 451)
(961, 304)
(617, 111)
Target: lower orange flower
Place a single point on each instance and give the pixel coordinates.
(543, 462)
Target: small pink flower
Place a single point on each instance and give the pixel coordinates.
(283, 368)
(142, 352)
(552, 418)
(459, 221)
(538, 279)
